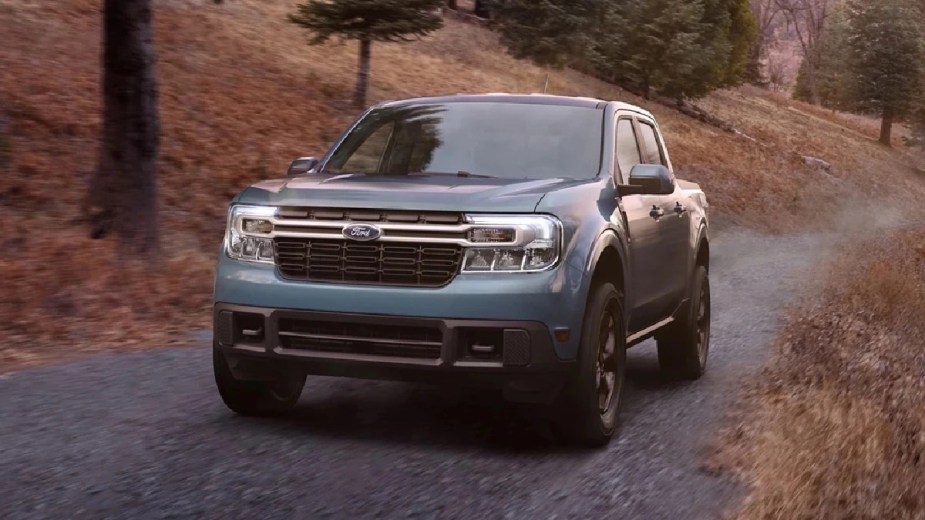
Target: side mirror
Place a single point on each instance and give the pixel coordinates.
(303, 165)
(648, 179)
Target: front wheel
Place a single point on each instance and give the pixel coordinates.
(591, 401)
(683, 348)
(257, 398)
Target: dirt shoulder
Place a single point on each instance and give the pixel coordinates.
(833, 428)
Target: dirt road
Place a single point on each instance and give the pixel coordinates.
(145, 435)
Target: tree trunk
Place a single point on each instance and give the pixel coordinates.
(812, 84)
(886, 128)
(123, 192)
(359, 96)
(753, 70)
(481, 9)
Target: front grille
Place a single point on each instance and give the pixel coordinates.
(365, 339)
(386, 263)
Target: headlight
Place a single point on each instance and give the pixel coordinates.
(512, 243)
(245, 236)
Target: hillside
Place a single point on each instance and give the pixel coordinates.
(241, 94)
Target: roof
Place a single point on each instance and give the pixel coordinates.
(535, 99)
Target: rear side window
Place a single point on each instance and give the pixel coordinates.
(627, 147)
(653, 151)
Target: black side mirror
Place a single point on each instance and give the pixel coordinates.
(302, 165)
(648, 179)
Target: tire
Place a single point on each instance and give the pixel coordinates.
(591, 401)
(255, 398)
(684, 347)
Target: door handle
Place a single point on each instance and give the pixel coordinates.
(680, 209)
(656, 212)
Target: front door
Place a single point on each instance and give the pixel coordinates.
(644, 216)
(675, 227)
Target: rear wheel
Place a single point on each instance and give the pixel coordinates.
(260, 398)
(683, 348)
(591, 401)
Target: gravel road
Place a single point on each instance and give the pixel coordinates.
(146, 436)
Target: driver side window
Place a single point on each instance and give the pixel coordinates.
(627, 148)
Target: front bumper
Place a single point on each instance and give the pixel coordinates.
(556, 298)
(261, 342)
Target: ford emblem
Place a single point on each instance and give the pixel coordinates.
(362, 232)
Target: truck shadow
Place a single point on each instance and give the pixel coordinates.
(454, 418)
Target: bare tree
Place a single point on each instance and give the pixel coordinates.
(766, 13)
(808, 20)
(123, 192)
(777, 75)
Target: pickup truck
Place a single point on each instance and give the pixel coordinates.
(520, 242)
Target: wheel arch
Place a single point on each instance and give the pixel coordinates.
(608, 263)
(702, 256)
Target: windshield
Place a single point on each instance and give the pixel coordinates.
(506, 140)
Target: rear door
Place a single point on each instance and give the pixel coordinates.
(674, 228)
(647, 260)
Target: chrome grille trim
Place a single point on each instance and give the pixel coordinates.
(395, 227)
(430, 233)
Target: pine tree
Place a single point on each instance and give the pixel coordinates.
(367, 21)
(739, 32)
(918, 125)
(885, 60)
(549, 32)
(833, 80)
(655, 46)
(678, 48)
(918, 112)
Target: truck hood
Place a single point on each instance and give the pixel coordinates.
(433, 193)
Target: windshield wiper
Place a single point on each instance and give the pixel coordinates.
(460, 173)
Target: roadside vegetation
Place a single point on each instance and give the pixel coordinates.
(833, 428)
(241, 94)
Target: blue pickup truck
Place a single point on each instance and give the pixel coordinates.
(521, 242)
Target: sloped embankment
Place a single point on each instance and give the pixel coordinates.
(835, 427)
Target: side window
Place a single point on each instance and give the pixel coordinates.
(627, 147)
(367, 157)
(653, 152)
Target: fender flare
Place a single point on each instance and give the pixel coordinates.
(610, 238)
(703, 236)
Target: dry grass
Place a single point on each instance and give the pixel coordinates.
(836, 426)
(241, 95)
